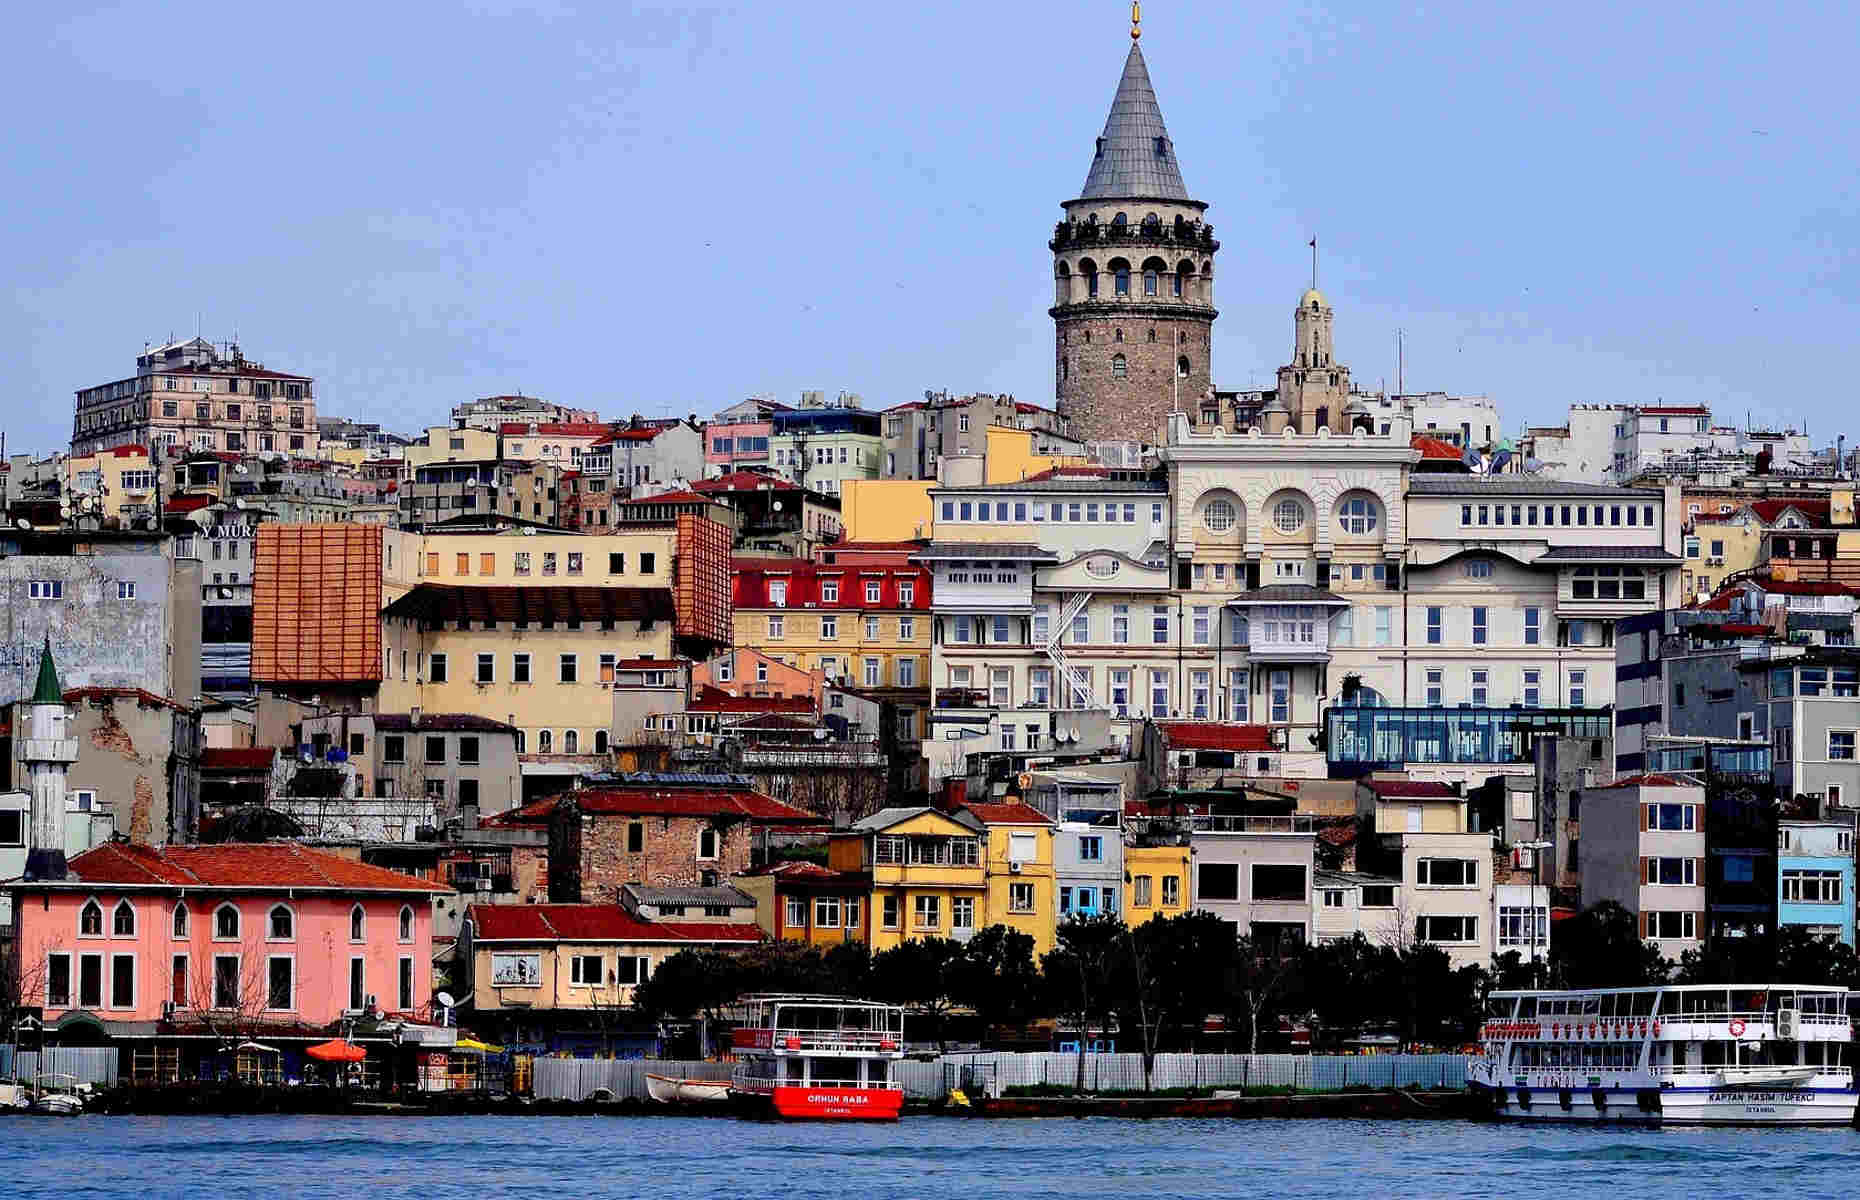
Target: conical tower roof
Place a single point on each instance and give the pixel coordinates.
(1135, 157)
(48, 691)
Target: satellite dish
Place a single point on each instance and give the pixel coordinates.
(23, 523)
(445, 1000)
(1024, 780)
(226, 593)
(820, 735)
(1472, 462)
(1500, 460)
(1533, 465)
(239, 504)
(778, 506)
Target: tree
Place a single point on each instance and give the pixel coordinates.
(997, 978)
(1601, 947)
(1186, 961)
(1260, 974)
(692, 983)
(920, 972)
(1080, 974)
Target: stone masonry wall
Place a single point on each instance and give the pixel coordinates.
(669, 854)
(1101, 406)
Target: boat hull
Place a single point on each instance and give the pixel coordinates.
(57, 1106)
(1679, 1106)
(824, 1103)
(667, 1090)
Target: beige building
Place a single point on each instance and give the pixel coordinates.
(191, 395)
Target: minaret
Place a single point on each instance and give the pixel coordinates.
(1133, 277)
(47, 752)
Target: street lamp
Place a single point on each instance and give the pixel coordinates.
(1536, 849)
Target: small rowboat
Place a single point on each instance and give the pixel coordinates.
(667, 1090)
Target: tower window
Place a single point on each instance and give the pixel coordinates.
(1152, 335)
(1120, 369)
(1181, 367)
(1117, 335)
(1149, 283)
(1123, 281)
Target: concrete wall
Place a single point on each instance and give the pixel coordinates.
(100, 639)
(1249, 851)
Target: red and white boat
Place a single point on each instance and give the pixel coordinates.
(818, 1058)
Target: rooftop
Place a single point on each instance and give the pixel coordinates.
(595, 923)
(1582, 554)
(1516, 485)
(431, 602)
(439, 723)
(745, 804)
(1008, 814)
(994, 550)
(269, 866)
(1414, 789)
(1215, 735)
(1134, 158)
(723, 894)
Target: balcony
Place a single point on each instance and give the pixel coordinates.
(1291, 824)
(45, 750)
(1180, 235)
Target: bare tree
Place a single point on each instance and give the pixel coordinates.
(22, 985)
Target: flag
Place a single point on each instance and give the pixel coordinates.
(1314, 243)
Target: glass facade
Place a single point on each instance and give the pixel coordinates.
(1361, 739)
(1753, 761)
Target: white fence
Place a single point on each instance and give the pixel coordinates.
(579, 1078)
(87, 1064)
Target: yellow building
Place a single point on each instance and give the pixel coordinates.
(540, 657)
(1718, 546)
(859, 613)
(1020, 870)
(119, 482)
(928, 878)
(443, 444)
(1156, 880)
(1411, 806)
(623, 558)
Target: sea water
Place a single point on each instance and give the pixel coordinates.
(141, 1158)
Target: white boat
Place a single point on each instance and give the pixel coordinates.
(14, 1094)
(818, 1057)
(57, 1096)
(1701, 1054)
(667, 1090)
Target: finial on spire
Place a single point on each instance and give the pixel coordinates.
(1136, 20)
(1314, 264)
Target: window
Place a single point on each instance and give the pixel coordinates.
(123, 920)
(1358, 514)
(1280, 684)
(1433, 626)
(1288, 516)
(1000, 687)
(1478, 688)
(358, 983)
(1672, 817)
(1671, 872)
(281, 924)
(1219, 516)
(1447, 872)
(437, 668)
(571, 741)
(1201, 689)
(226, 981)
(927, 912)
(1159, 625)
(486, 671)
(179, 922)
(126, 589)
(1533, 626)
(1278, 882)
(1577, 691)
(406, 984)
(46, 589)
(566, 668)
(1091, 849)
(707, 843)
(648, 562)
(58, 981)
(519, 668)
(280, 973)
(225, 923)
(1237, 680)
(435, 750)
(1448, 930)
(1333, 897)
(1479, 627)
(1811, 887)
(1200, 628)
(1435, 692)
(1662, 925)
(1841, 744)
(1217, 881)
(1020, 897)
(1533, 691)
(1385, 624)
(358, 924)
(1140, 888)
(1159, 693)
(889, 912)
(1120, 624)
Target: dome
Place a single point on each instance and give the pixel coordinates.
(1313, 296)
(1358, 404)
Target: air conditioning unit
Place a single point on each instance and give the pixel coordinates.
(483, 883)
(1013, 868)
(1788, 1023)
(1716, 560)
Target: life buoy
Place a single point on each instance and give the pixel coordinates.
(1737, 1028)
(1656, 1029)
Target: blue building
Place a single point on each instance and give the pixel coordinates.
(1815, 876)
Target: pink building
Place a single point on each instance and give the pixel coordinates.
(737, 444)
(176, 941)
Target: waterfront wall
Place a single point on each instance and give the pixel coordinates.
(578, 1078)
(88, 1064)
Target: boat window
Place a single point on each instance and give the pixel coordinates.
(1527, 1007)
(1643, 1004)
(1608, 1005)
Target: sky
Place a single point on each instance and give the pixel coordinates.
(665, 209)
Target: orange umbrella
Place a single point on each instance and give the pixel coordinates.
(337, 1051)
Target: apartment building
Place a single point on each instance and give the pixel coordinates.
(1644, 847)
(927, 872)
(1019, 869)
(1256, 872)
(194, 395)
(1815, 884)
(917, 435)
(1420, 833)
(821, 448)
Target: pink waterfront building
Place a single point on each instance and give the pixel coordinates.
(154, 942)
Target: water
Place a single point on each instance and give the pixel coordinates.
(385, 1158)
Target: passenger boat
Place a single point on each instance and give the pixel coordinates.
(57, 1096)
(1702, 1054)
(667, 1090)
(818, 1057)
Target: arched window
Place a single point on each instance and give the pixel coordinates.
(1219, 516)
(180, 919)
(123, 920)
(226, 923)
(1119, 368)
(1184, 278)
(545, 742)
(1181, 339)
(1090, 270)
(1150, 282)
(1358, 514)
(1062, 289)
(571, 741)
(707, 842)
(90, 919)
(1119, 222)
(406, 923)
(1323, 417)
(1152, 336)
(1065, 369)
(1289, 515)
(1152, 225)
(1117, 335)
(1181, 367)
(522, 742)
(600, 741)
(358, 924)
(1121, 271)
(1088, 337)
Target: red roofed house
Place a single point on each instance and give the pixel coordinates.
(567, 974)
(1197, 754)
(275, 940)
(806, 902)
(639, 830)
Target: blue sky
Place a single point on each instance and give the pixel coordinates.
(664, 209)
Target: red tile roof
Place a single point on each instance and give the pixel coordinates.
(595, 923)
(716, 700)
(745, 481)
(1435, 448)
(267, 866)
(1768, 511)
(1069, 473)
(555, 429)
(187, 504)
(1338, 835)
(146, 698)
(1649, 780)
(1215, 735)
(1008, 814)
(801, 870)
(238, 758)
(740, 803)
(630, 435)
(1805, 587)
(1675, 410)
(127, 450)
(649, 664)
(1415, 789)
(682, 496)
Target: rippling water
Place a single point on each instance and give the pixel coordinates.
(389, 1157)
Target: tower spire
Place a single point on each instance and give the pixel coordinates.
(1136, 21)
(1314, 262)
(47, 690)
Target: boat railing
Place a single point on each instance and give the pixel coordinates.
(1749, 1018)
(873, 1085)
(1757, 1074)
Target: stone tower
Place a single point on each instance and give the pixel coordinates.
(1133, 278)
(1312, 387)
(46, 751)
